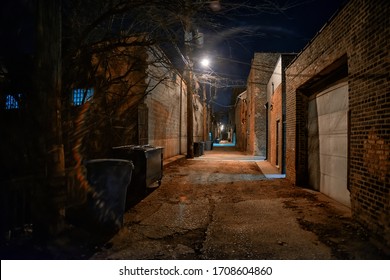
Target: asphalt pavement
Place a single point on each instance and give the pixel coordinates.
(228, 205)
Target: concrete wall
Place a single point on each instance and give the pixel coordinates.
(352, 46)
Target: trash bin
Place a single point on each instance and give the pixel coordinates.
(197, 149)
(209, 145)
(202, 147)
(148, 169)
(105, 204)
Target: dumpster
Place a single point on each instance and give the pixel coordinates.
(105, 203)
(198, 149)
(148, 169)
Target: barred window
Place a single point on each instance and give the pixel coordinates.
(81, 95)
(11, 102)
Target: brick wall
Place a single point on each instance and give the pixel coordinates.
(357, 36)
(275, 115)
(166, 112)
(167, 115)
(276, 103)
(261, 70)
(240, 121)
(110, 118)
(155, 89)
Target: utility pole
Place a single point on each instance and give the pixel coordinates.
(189, 80)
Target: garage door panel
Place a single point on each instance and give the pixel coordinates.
(324, 141)
(338, 122)
(322, 104)
(334, 188)
(338, 99)
(331, 171)
(324, 124)
(338, 145)
(332, 165)
(337, 167)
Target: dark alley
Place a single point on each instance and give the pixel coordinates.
(177, 130)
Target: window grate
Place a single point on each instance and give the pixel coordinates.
(80, 96)
(11, 102)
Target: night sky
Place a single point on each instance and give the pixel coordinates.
(230, 49)
(287, 32)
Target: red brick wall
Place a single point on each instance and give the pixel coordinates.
(359, 32)
(275, 114)
(261, 70)
(241, 121)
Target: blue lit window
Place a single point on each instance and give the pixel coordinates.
(11, 102)
(80, 95)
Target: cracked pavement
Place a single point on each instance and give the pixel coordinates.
(222, 206)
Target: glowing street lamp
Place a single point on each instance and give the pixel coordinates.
(205, 62)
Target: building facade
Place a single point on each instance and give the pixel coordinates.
(276, 115)
(338, 117)
(251, 112)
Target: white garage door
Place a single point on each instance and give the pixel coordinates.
(328, 142)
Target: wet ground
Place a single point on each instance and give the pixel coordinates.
(223, 205)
